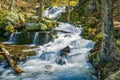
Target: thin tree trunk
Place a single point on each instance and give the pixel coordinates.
(11, 5)
(40, 10)
(68, 18)
(119, 7)
(108, 42)
(95, 6)
(6, 54)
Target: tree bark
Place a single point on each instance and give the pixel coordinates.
(40, 10)
(108, 43)
(81, 2)
(68, 18)
(10, 61)
(11, 5)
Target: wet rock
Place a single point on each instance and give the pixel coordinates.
(48, 69)
(63, 55)
(62, 60)
(65, 51)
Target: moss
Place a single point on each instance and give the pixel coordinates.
(45, 25)
(17, 52)
(24, 38)
(118, 41)
(9, 29)
(2, 39)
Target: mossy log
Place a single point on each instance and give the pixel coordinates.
(10, 61)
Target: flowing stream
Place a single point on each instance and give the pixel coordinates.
(41, 38)
(44, 66)
(13, 38)
(54, 12)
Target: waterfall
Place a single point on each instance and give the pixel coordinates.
(12, 38)
(41, 38)
(53, 12)
(36, 38)
(47, 38)
(44, 65)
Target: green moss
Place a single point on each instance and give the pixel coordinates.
(17, 52)
(23, 38)
(2, 39)
(9, 29)
(118, 42)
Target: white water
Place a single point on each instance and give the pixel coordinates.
(53, 12)
(13, 38)
(41, 38)
(44, 65)
(36, 38)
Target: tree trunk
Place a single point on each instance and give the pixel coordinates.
(6, 54)
(68, 18)
(40, 10)
(94, 6)
(108, 43)
(81, 2)
(11, 5)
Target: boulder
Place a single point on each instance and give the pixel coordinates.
(65, 51)
(63, 55)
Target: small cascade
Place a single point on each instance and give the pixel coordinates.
(45, 65)
(36, 38)
(53, 12)
(47, 37)
(41, 38)
(12, 38)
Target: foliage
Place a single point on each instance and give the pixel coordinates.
(10, 29)
(21, 18)
(49, 3)
(43, 26)
(3, 20)
(8, 20)
(36, 26)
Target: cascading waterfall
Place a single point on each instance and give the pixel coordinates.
(41, 38)
(36, 38)
(44, 66)
(47, 38)
(53, 12)
(12, 37)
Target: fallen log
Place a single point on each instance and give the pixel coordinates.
(1, 53)
(10, 61)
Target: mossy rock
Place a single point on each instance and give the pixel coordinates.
(9, 29)
(2, 39)
(118, 42)
(50, 24)
(36, 26)
(3, 21)
(24, 38)
(17, 53)
(2, 31)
